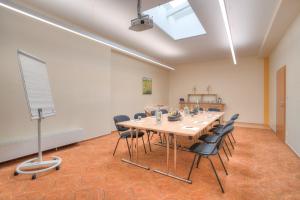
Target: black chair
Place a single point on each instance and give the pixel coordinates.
(137, 115)
(221, 132)
(233, 118)
(206, 150)
(143, 115)
(163, 111)
(213, 110)
(125, 133)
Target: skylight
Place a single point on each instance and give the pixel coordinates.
(177, 19)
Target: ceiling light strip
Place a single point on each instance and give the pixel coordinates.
(87, 36)
(226, 23)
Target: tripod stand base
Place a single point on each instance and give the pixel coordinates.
(35, 166)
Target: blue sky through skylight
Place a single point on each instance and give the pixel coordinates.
(177, 19)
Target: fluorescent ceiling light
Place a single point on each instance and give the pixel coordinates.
(87, 36)
(177, 19)
(226, 23)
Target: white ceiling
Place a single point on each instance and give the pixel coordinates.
(249, 20)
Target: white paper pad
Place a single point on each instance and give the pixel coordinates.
(190, 128)
(137, 121)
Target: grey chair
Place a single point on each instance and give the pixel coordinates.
(233, 118)
(206, 150)
(125, 133)
(163, 111)
(213, 110)
(222, 131)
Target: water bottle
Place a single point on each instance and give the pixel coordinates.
(158, 115)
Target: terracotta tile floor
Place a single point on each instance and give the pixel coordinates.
(261, 168)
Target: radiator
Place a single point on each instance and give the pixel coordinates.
(18, 148)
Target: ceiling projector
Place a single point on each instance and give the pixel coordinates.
(142, 22)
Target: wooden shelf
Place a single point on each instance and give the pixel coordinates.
(205, 106)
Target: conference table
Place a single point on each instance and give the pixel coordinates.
(189, 126)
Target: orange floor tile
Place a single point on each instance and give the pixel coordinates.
(261, 168)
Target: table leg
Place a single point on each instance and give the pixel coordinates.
(168, 151)
(175, 153)
(130, 161)
(132, 145)
(137, 144)
(167, 173)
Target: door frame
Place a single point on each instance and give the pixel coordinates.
(281, 136)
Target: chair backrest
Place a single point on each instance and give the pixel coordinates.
(213, 110)
(153, 112)
(121, 118)
(217, 145)
(229, 123)
(164, 111)
(224, 131)
(142, 115)
(235, 117)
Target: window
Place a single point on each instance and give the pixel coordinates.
(177, 19)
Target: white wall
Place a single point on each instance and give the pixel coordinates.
(79, 75)
(287, 53)
(240, 86)
(87, 80)
(126, 85)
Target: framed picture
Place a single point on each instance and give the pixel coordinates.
(147, 85)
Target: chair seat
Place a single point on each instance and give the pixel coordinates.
(215, 129)
(202, 137)
(210, 138)
(204, 149)
(127, 134)
(218, 125)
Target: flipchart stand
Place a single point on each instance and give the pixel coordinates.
(38, 165)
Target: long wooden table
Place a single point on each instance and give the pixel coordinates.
(189, 126)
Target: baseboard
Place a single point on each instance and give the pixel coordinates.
(26, 146)
(293, 150)
(251, 125)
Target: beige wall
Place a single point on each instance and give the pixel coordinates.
(126, 87)
(79, 75)
(287, 53)
(240, 86)
(82, 76)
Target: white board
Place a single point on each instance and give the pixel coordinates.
(36, 85)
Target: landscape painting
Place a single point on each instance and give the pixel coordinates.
(147, 85)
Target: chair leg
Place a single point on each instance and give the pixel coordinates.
(232, 137)
(230, 142)
(128, 148)
(213, 167)
(116, 146)
(144, 144)
(227, 147)
(225, 153)
(222, 164)
(148, 135)
(198, 161)
(191, 169)
(161, 141)
(151, 135)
